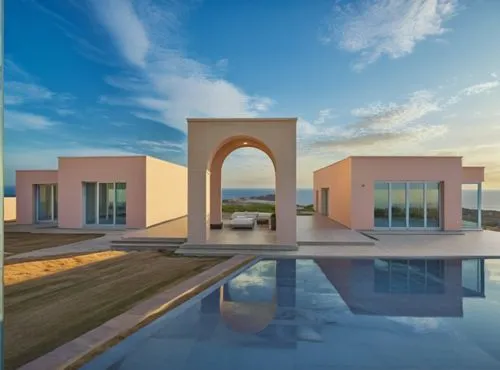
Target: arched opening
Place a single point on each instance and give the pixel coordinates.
(241, 168)
(248, 183)
(210, 141)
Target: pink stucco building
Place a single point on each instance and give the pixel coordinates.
(402, 193)
(129, 191)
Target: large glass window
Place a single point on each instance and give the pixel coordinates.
(432, 199)
(90, 196)
(416, 207)
(407, 205)
(471, 206)
(46, 202)
(381, 210)
(398, 204)
(105, 203)
(121, 203)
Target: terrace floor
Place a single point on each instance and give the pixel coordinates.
(316, 229)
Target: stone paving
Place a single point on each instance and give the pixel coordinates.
(471, 244)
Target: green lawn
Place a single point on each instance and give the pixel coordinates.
(251, 207)
(256, 207)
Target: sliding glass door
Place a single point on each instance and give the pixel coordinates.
(45, 203)
(398, 205)
(416, 204)
(382, 204)
(407, 205)
(105, 203)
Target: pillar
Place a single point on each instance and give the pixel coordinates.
(286, 203)
(197, 206)
(216, 197)
(480, 205)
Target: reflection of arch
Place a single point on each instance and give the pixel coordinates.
(210, 141)
(255, 316)
(246, 317)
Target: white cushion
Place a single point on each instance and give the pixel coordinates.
(247, 222)
(263, 216)
(244, 214)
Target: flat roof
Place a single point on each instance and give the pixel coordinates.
(104, 156)
(240, 119)
(389, 157)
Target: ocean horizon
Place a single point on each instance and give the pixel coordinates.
(491, 198)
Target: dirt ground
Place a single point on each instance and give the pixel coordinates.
(46, 312)
(26, 242)
(19, 271)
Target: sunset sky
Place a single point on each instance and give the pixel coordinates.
(366, 77)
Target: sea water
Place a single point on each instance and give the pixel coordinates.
(490, 198)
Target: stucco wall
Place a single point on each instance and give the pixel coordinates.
(166, 191)
(472, 175)
(9, 209)
(73, 172)
(367, 170)
(207, 139)
(336, 177)
(25, 192)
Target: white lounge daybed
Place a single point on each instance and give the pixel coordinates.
(242, 222)
(260, 217)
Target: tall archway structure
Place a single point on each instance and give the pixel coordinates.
(211, 140)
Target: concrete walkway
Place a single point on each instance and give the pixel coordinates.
(474, 244)
(87, 246)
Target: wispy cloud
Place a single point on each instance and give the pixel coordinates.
(162, 146)
(167, 86)
(22, 121)
(373, 28)
(17, 93)
(480, 88)
(125, 29)
(366, 139)
(15, 71)
(392, 115)
(21, 88)
(390, 123)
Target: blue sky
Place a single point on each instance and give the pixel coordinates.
(118, 77)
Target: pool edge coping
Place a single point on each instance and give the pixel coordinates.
(77, 352)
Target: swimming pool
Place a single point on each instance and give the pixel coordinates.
(329, 314)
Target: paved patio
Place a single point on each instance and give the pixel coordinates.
(316, 229)
(473, 244)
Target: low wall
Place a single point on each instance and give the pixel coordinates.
(9, 209)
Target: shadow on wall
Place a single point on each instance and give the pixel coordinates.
(9, 209)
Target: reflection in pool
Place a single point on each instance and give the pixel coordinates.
(329, 313)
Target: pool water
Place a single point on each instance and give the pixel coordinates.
(329, 314)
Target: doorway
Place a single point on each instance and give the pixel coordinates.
(324, 201)
(105, 203)
(407, 205)
(46, 203)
